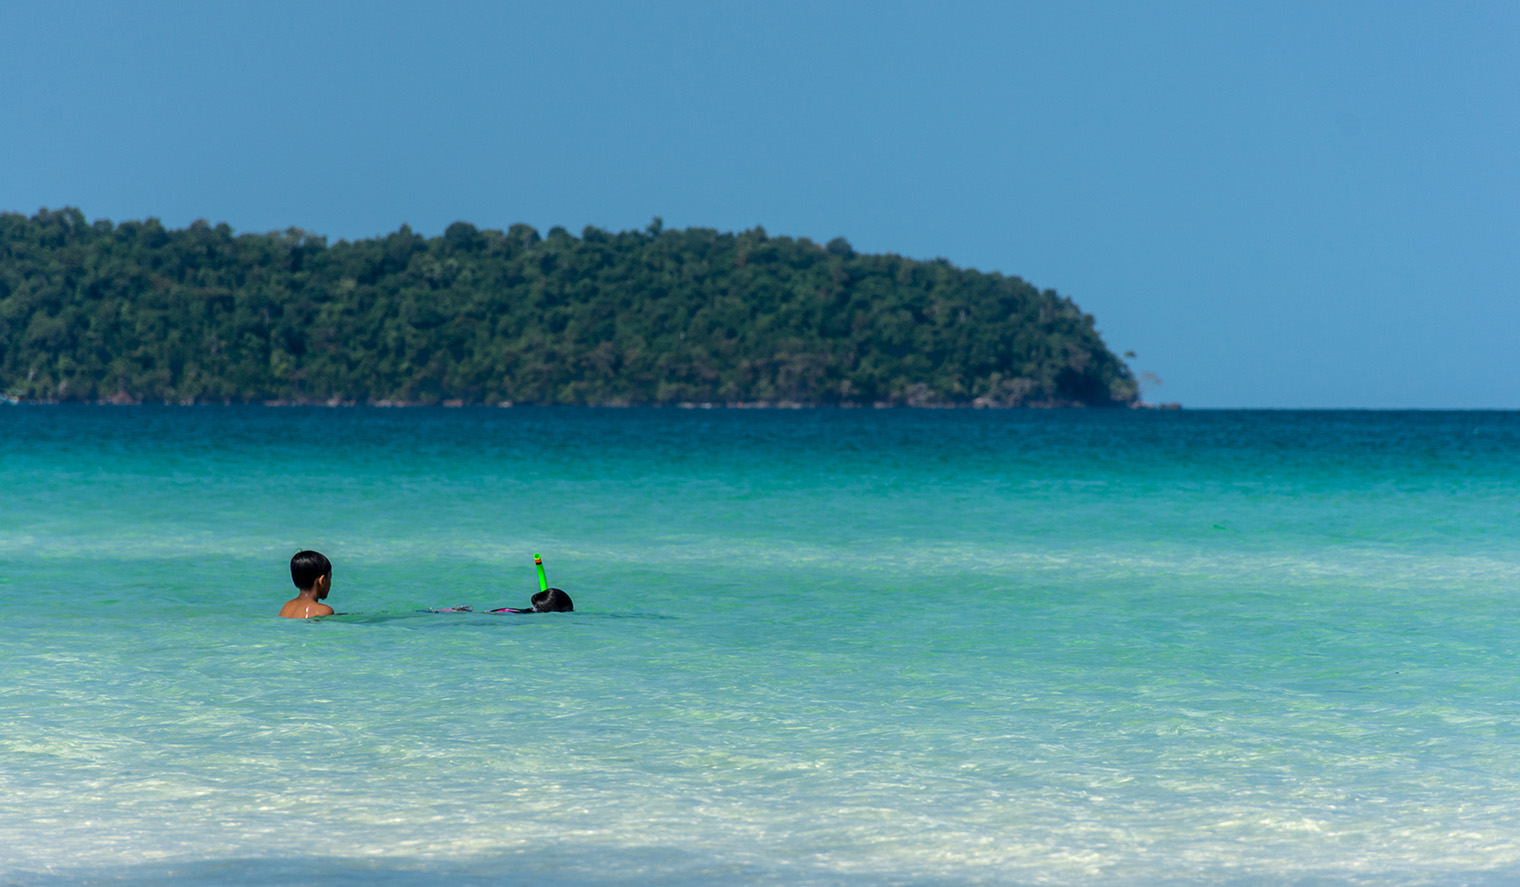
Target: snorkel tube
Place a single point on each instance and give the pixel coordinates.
(538, 561)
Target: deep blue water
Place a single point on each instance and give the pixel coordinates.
(818, 647)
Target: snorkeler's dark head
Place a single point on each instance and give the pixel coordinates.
(307, 567)
(553, 600)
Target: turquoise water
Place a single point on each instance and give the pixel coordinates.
(822, 647)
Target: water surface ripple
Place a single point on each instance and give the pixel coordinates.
(822, 647)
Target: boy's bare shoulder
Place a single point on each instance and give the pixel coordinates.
(301, 608)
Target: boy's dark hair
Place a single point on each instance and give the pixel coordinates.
(552, 601)
(307, 567)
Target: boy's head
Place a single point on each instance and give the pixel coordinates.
(552, 601)
(307, 567)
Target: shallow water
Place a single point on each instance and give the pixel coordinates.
(823, 647)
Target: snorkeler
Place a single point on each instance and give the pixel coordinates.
(312, 574)
(547, 600)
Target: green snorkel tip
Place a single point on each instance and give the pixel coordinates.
(538, 561)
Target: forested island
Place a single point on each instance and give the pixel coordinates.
(136, 312)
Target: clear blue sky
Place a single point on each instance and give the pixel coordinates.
(1275, 204)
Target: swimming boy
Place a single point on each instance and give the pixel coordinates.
(312, 574)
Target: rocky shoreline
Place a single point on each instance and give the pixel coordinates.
(124, 399)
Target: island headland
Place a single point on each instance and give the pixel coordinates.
(139, 313)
